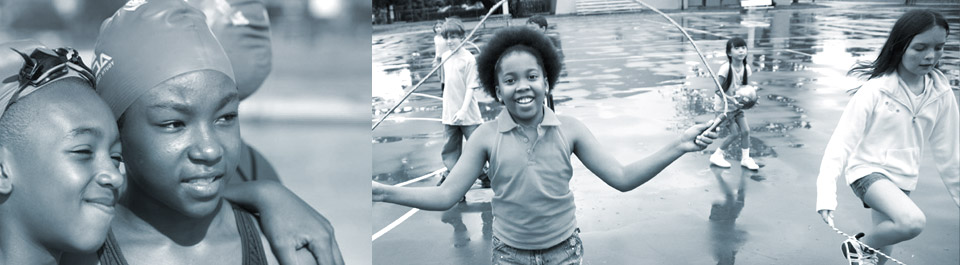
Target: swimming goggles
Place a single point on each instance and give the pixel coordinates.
(44, 65)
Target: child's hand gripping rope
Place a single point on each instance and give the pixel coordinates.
(696, 138)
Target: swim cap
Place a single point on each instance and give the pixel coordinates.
(26, 66)
(147, 42)
(243, 29)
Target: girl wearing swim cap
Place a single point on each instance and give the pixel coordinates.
(177, 103)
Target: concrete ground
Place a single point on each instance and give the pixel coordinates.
(634, 80)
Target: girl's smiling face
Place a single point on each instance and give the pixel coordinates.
(521, 86)
(924, 52)
(65, 167)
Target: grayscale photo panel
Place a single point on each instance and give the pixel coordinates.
(636, 131)
(184, 132)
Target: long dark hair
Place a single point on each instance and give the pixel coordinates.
(908, 26)
(733, 43)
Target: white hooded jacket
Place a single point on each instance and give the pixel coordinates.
(881, 131)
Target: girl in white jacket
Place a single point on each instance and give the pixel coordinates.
(905, 105)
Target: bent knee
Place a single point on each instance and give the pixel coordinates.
(912, 224)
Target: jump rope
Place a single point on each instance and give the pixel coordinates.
(727, 111)
(714, 123)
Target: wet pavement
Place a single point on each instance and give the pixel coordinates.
(634, 80)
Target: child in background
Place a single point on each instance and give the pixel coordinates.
(733, 74)
(539, 23)
(439, 47)
(461, 114)
(529, 149)
(59, 157)
(439, 43)
(905, 104)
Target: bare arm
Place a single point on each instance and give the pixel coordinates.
(442, 197)
(289, 223)
(626, 178)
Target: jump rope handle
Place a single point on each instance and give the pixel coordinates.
(714, 124)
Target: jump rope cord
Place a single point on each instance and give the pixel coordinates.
(424, 79)
(726, 110)
(865, 245)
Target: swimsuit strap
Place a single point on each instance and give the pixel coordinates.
(109, 253)
(252, 247)
(253, 253)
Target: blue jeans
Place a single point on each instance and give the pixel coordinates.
(568, 252)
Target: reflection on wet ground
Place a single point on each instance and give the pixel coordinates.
(636, 82)
(725, 237)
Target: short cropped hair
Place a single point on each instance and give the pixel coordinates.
(516, 39)
(21, 113)
(539, 20)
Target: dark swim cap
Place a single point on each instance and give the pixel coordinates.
(148, 42)
(243, 29)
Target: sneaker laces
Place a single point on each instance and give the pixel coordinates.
(864, 246)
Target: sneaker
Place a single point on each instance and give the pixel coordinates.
(856, 254)
(717, 159)
(749, 163)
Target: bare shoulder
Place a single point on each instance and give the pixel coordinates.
(572, 126)
(485, 134)
(486, 130)
(570, 120)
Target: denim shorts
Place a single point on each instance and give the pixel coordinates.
(568, 252)
(861, 185)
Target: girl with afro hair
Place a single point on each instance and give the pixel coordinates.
(529, 150)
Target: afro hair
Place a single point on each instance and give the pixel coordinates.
(504, 41)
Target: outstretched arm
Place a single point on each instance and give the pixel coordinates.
(289, 223)
(626, 178)
(442, 197)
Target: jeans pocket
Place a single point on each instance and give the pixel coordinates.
(573, 249)
(497, 245)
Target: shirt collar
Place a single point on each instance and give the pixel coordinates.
(506, 122)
